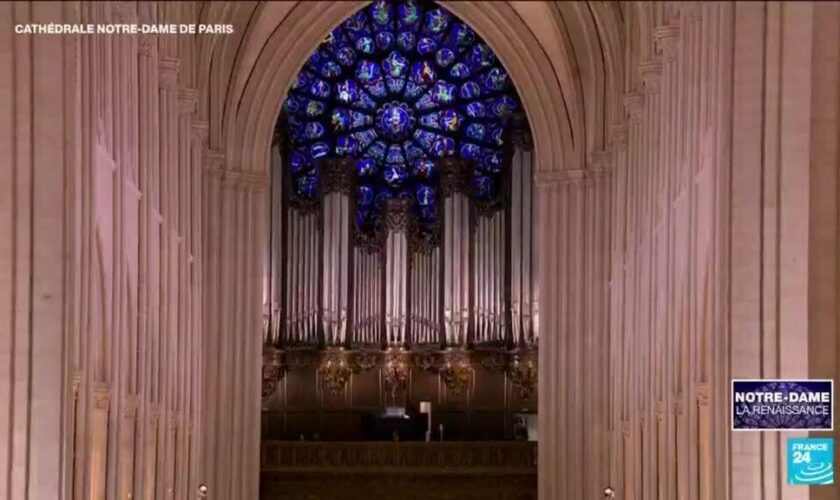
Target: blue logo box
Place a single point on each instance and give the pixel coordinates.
(772, 405)
(810, 461)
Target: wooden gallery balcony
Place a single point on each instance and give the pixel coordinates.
(496, 470)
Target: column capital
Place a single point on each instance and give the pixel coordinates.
(618, 137)
(659, 410)
(244, 180)
(454, 176)
(599, 162)
(633, 105)
(146, 44)
(187, 100)
(651, 72)
(101, 396)
(199, 129)
(168, 68)
(154, 411)
(130, 405)
(667, 39)
(703, 394)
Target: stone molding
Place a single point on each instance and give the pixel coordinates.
(618, 137)
(130, 405)
(577, 177)
(168, 68)
(187, 101)
(651, 72)
(667, 39)
(101, 397)
(633, 104)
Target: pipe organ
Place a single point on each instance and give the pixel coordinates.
(470, 282)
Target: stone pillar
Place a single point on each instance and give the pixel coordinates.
(234, 345)
(573, 404)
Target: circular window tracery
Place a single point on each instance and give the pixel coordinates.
(396, 86)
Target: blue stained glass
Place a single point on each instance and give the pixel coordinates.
(423, 72)
(356, 22)
(450, 120)
(395, 121)
(330, 69)
(461, 34)
(425, 195)
(412, 89)
(503, 106)
(346, 56)
(377, 150)
(395, 154)
(423, 169)
(292, 104)
(470, 151)
(495, 79)
(380, 12)
(470, 90)
(426, 46)
(364, 195)
(443, 146)
(314, 130)
(476, 110)
(476, 131)
(366, 167)
(298, 162)
(367, 71)
(492, 162)
(497, 135)
(384, 40)
(346, 146)
(364, 137)
(431, 120)
(406, 40)
(341, 120)
(348, 91)
(395, 64)
(315, 108)
(436, 21)
(302, 80)
(443, 93)
(319, 150)
(412, 151)
(409, 13)
(306, 186)
(395, 176)
(320, 88)
(395, 85)
(444, 57)
(377, 88)
(365, 45)
(425, 138)
(480, 56)
(391, 110)
(482, 186)
(459, 71)
(425, 102)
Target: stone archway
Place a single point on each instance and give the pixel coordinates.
(281, 39)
